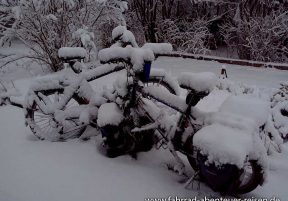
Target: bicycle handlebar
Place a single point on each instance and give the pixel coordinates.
(134, 57)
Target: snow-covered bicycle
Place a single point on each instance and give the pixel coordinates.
(226, 153)
(61, 106)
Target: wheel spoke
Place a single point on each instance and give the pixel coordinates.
(56, 97)
(42, 124)
(44, 121)
(42, 115)
(45, 99)
(74, 129)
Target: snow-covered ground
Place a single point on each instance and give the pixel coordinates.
(33, 170)
(261, 77)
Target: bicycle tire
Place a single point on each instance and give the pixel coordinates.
(34, 123)
(255, 179)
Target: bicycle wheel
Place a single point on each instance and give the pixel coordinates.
(189, 148)
(44, 126)
(251, 177)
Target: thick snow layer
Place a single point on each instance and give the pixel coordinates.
(280, 120)
(8, 93)
(109, 114)
(224, 145)
(118, 31)
(247, 106)
(205, 81)
(33, 170)
(137, 56)
(40, 170)
(101, 70)
(159, 48)
(122, 35)
(114, 53)
(72, 52)
(232, 120)
(161, 73)
(217, 97)
(165, 97)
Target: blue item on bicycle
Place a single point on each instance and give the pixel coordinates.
(146, 71)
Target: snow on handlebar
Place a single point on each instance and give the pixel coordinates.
(70, 53)
(136, 57)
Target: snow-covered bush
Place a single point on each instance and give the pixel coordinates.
(87, 40)
(123, 37)
(46, 26)
(234, 87)
(259, 38)
(281, 95)
(279, 105)
(185, 36)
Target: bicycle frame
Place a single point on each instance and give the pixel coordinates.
(73, 83)
(174, 136)
(135, 101)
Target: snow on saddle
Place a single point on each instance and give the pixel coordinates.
(231, 133)
(198, 82)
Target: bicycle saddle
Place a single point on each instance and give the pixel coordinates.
(198, 82)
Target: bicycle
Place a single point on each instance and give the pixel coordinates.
(60, 107)
(131, 123)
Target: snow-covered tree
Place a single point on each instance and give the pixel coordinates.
(87, 40)
(149, 13)
(47, 25)
(195, 25)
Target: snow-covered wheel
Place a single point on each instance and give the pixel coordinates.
(249, 177)
(44, 126)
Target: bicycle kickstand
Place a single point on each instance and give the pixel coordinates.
(191, 181)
